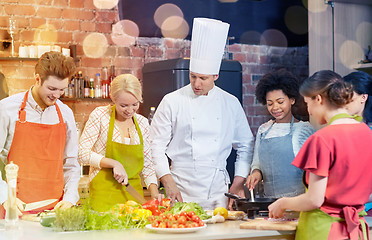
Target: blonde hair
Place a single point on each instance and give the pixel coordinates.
(55, 64)
(128, 83)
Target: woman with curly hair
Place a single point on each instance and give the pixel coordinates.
(336, 160)
(278, 140)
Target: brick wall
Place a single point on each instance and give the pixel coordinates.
(71, 21)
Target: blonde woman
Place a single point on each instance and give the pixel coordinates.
(116, 144)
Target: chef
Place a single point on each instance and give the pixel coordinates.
(197, 126)
(38, 133)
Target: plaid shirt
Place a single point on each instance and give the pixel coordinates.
(92, 146)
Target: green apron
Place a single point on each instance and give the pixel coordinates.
(316, 224)
(104, 190)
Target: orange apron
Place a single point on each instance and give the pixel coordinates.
(38, 151)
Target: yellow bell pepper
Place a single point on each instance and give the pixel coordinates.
(141, 213)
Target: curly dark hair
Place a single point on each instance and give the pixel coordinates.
(280, 79)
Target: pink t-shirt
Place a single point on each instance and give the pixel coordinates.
(343, 153)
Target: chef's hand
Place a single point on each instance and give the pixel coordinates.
(237, 187)
(118, 170)
(171, 188)
(276, 209)
(63, 205)
(253, 179)
(19, 204)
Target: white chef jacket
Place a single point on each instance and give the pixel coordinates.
(9, 108)
(197, 133)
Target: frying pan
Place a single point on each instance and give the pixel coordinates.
(246, 205)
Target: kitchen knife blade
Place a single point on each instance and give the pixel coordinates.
(39, 204)
(135, 194)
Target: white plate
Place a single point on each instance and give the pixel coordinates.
(174, 230)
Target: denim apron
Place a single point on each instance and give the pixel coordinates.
(280, 177)
(104, 190)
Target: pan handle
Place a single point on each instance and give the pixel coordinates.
(233, 196)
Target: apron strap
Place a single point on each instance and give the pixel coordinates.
(112, 123)
(22, 112)
(353, 221)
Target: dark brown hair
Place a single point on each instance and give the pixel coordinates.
(330, 86)
(55, 64)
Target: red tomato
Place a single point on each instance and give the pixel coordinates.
(162, 225)
(188, 225)
(162, 216)
(201, 223)
(190, 214)
(151, 218)
(155, 224)
(181, 220)
(194, 224)
(195, 218)
(176, 216)
(174, 225)
(169, 215)
(183, 213)
(181, 226)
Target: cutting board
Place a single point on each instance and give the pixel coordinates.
(270, 224)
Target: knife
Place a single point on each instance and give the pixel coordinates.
(39, 204)
(135, 194)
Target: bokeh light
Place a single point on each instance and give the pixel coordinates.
(46, 33)
(361, 36)
(273, 37)
(316, 6)
(296, 19)
(165, 11)
(95, 45)
(105, 4)
(124, 32)
(250, 37)
(175, 27)
(350, 53)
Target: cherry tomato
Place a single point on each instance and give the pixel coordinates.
(190, 214)
(176, 216)
(151, 218)
(162, 216)
(183, 213)
(181, 226)
(181, 220)
(194, 224)
(174, 225)
(195, 218)
(162, 225)
(201, 223)
(155, 224)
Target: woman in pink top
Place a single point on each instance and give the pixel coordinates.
(336, 160)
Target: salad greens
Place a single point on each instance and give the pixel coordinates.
(190, 206)
(84, 218)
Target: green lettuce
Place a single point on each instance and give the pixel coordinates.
(190, 206)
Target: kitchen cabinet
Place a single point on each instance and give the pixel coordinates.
(339, 34)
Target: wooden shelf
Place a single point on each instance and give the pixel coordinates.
(18, 59)
(85, 99)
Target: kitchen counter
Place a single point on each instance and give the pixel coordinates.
(226, 230)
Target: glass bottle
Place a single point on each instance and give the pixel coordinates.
(105, 82)
(86, 87)
(11, 216)
(97, 86)
(151, 114)
(91, 88)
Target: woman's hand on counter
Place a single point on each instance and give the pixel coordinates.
(171, 188)
(277, 209)
(253, 179)
(118, 170)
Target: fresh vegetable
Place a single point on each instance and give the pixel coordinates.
(182, 220)
(189, 206)
(222, 211)
(85, 218)
(156, 208)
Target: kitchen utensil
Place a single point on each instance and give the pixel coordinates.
(135, 194)
(252, 196)
(270, 224)
(233, 196)
(252, 208)
(39, 204)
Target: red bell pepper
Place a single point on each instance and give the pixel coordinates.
(153, 206)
